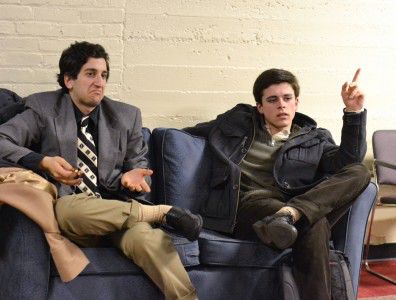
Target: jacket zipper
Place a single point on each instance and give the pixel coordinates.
(239, 179)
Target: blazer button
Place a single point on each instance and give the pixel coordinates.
(244, 150)
(235, 186)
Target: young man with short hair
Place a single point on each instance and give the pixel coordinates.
(282, 179)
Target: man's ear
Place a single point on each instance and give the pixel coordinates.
(68, 81)
(297, 101)
(260, 108)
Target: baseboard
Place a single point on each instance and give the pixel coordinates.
(384, 251)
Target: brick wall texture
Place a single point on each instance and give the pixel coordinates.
(184, 62)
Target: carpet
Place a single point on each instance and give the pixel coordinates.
(372, 287)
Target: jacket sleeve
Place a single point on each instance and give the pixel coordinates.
(135, 156)
(204, 129)
(353, 145)
(18, 135)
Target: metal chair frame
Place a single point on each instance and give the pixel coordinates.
(367, 246)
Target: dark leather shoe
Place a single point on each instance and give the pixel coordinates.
(184, 222)
(276, 230)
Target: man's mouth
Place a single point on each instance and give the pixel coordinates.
(282, 115)
(97, 92)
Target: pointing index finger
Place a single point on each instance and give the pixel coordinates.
(356, 76)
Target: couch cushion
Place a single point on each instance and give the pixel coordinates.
(183, 168)
(110, 260)
(219, 249)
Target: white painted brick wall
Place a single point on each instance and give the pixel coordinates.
(7, 28)
(102, 15)
(184, 62)
(56, 14)
(16, 12)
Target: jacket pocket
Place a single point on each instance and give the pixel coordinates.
(218, 204)
(309, 152)
(219, 177)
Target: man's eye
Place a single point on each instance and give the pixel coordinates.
(288, 98)
(90, 74)
(271, 100)
(104, 76)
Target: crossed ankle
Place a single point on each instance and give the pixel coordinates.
(153, 213)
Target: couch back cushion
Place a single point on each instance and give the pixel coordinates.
(182, 168)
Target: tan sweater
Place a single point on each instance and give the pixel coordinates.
(257, 181)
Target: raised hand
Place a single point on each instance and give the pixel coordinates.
(351, 94)
(134, 180)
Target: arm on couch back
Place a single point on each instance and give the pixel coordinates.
(24, 257)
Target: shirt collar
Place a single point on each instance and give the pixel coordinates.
(279, 136)
(93, 115)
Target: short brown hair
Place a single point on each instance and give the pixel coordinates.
(274, 76)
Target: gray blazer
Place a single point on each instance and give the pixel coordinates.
(49, 124)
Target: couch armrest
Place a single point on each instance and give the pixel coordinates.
(24, 257)
(349, 233)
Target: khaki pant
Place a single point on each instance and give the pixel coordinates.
(85, 218)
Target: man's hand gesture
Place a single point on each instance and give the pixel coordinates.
(61, 170)
(134, 180)
(351, 95)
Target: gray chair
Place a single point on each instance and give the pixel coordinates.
(384, 167)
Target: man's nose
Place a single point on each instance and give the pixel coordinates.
(281, 102)
(100, 81)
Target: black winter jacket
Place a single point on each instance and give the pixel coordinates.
(306, 158)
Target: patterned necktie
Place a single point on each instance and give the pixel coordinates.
(87, 160)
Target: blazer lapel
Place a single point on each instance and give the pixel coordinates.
(109, 143)
(66, 130)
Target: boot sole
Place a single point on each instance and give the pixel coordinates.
(280, 235)
(283, 235)
(261, 231)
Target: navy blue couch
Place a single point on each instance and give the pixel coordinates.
(219, 266)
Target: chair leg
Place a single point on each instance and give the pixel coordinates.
(366, 252)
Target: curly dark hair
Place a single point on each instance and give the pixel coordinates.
(274, 76)
(74, 57)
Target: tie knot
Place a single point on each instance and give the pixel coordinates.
(84, 121)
